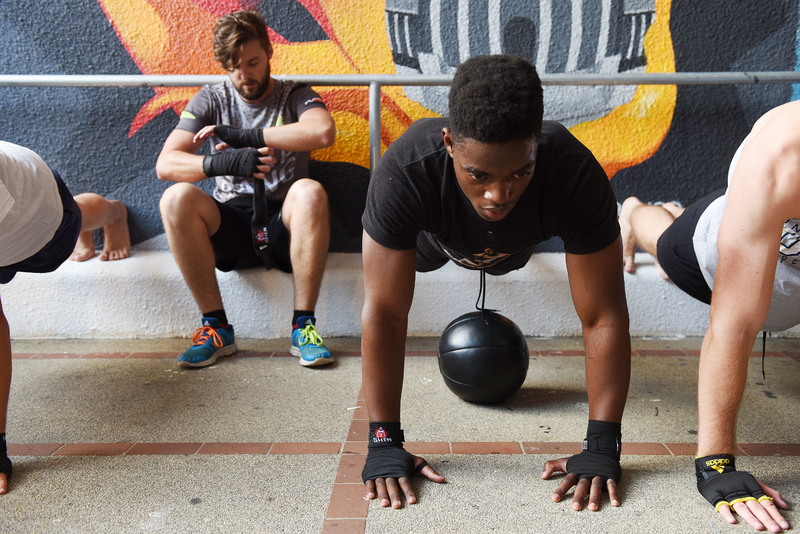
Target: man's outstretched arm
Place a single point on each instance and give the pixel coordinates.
(763, 193)
(388, 292)
(598, 292)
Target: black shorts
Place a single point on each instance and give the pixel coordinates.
(58, 249)
(676, 250)
(233, 244)
(431, 256)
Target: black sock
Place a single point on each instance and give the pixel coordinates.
(301, 313)
(219, 315)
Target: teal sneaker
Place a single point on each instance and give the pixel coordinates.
(209, 342)
(308, 344)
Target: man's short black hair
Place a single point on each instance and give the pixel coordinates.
(495, 99)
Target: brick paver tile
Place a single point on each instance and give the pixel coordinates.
(306, 448)
(491, 447)
(344, 526)
(562, 448)
(427, 447)
(93, 449)
(350, 467)
(771, 449)
(33, 449)
(165, 448)
(347, 501)
(644, 448)
(235, 448)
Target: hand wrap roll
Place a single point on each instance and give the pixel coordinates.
(236, 162)
(240, 137)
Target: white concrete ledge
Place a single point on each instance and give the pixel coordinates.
(144, 296)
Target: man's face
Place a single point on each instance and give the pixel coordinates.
(251, 77)
(493, 176)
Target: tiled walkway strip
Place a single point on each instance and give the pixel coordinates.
(347, 508)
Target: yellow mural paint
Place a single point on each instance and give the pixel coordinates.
(175, 37)
(139, 27)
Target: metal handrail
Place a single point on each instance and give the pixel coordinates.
(196, 80)
(375, 81)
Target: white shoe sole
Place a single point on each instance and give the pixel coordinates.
(295, 351)
(224, 351)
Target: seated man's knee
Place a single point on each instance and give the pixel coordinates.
(307, 196)
(176, 199)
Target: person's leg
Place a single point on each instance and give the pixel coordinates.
(641, 225)
(190, 217)
(112, 217)
(306, 214)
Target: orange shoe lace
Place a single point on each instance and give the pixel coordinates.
(202, 334)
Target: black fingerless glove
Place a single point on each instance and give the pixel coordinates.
(240, 137)
(601, 452)
(5, 461)
(720, 483)
(236, 162)
(386, 457)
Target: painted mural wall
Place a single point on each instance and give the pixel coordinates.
(657, 142)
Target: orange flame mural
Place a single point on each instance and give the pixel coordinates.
(175, 37)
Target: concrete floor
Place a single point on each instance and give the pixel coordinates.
(111, 436)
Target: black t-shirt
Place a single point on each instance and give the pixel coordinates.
(414, 189)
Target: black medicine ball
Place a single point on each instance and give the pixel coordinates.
(483, 357)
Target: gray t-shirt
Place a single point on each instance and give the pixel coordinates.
(221, 104)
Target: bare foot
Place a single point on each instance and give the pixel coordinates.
(626, 231)
(117, 242)
(84, 248)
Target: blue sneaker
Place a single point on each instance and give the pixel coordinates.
(209, 342)
(308, 344)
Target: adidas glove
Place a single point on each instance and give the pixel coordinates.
(721, 484)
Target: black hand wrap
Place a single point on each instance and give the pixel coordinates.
(5, 461)
(240, 137)
(601, 453)
(236, 162)
(386, 457)
(720, 483)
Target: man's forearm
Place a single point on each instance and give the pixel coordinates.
(720, 387)
(382, 355)
(608, 368)
(176, 166)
